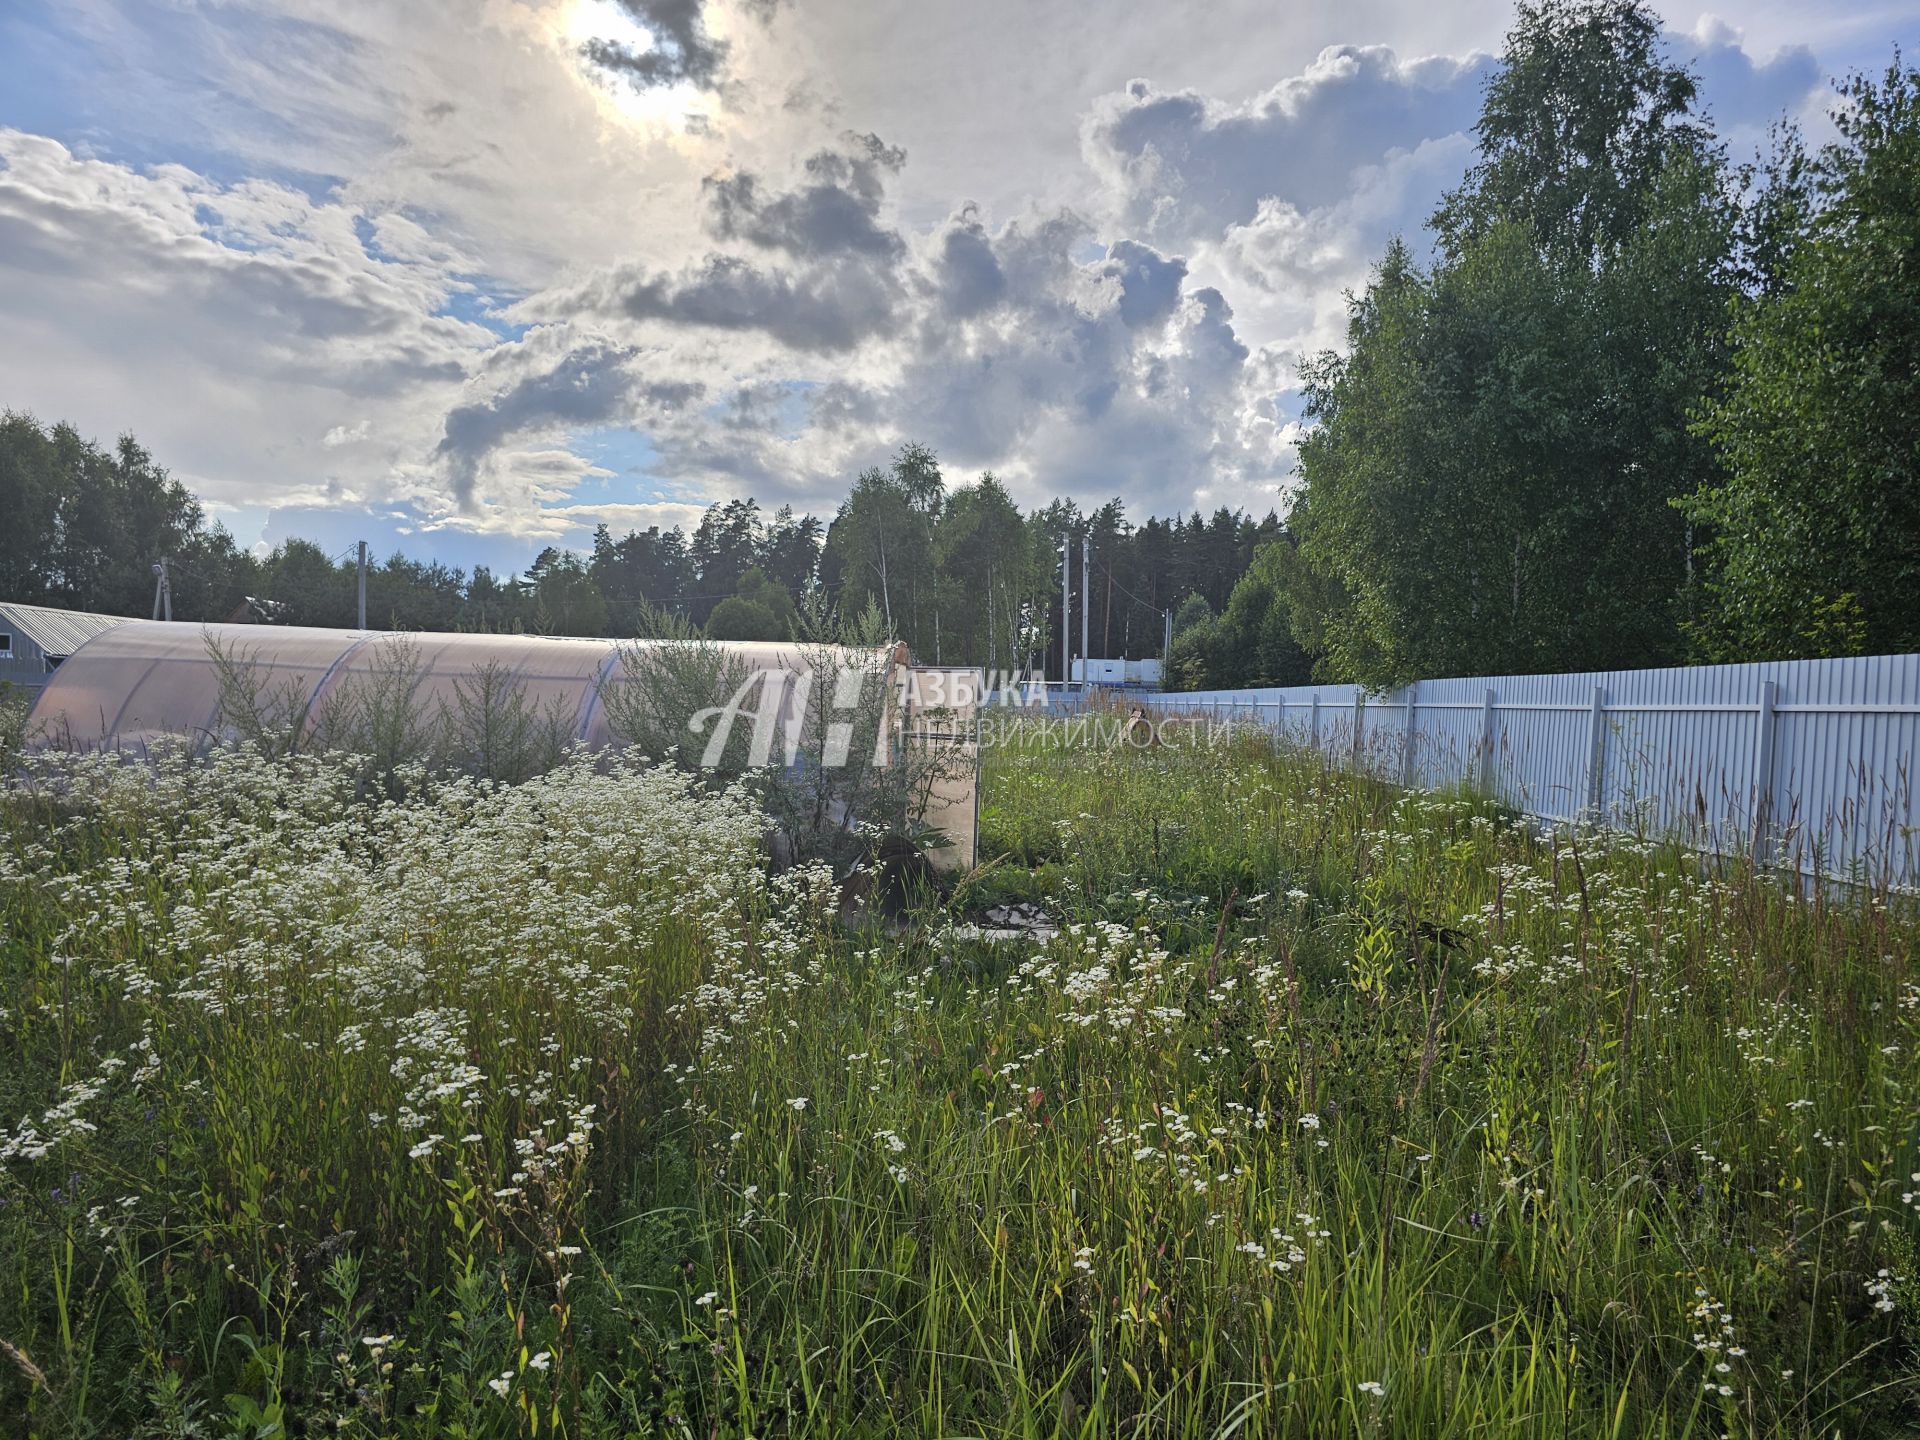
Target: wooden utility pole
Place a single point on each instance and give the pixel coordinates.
(1066, 608)
(1086, 601)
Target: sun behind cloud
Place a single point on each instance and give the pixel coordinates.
(671, 109)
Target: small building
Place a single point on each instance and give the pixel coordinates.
(34, 639)
(1131, 674)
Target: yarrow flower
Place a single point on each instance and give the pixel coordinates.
(1881, 1289)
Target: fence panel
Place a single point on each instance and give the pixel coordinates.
(1811, 761)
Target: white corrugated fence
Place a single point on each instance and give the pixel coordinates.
(1808, 762)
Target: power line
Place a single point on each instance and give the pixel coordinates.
(1156, 609)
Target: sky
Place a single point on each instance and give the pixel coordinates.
(471, 278)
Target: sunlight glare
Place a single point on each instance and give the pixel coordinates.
(658, 107)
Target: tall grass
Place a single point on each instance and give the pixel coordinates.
(1332, 1110)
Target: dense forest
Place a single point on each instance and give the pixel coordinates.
(1642, 405)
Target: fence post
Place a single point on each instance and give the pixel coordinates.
(1359, 720)
(1486, 743)
(1412, 692)
(1314, 722)
(1763, 773)
(1597, 752)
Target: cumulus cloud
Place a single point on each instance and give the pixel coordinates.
(585, 386)
(825, 309)
(966, 274)
(246, 332)
(1006, 347)
(1745, 95)
(345, 434)
(1282, 200)
(834, 281)
(1093, 377)
(1148, 282)
(1180, 165)
(1292, 267)
(836, 210)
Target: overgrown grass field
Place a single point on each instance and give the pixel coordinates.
(545, 1110)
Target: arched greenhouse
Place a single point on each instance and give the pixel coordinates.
(144, 682)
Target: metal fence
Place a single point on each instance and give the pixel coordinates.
(1806, 763)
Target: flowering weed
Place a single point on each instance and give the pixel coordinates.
(465, 1110)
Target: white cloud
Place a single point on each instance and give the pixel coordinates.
(403, 253)
(233, 328)
(1293, 267)
(1746, 95)
(345, 434)
(1181, 166)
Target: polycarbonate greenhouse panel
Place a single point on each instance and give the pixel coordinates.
(142, 681)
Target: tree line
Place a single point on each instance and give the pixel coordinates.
(957, 571)
(1643, 406)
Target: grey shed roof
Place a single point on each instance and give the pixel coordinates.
(57, 632)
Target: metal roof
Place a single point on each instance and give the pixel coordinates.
(57, 632)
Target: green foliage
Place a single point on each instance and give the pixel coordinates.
(737, 618)
(964, 577)
(348, 1189)
(15, 702)
(880, 546)
(648, 570)
(763, 610)
(85, 526)
(1816, 525)
(650, 705)
(270, 718)
(566, 601)
(1640, 408)
(1488, 486)
(494, 732)
(992, 583)
(1252, 643)
(1192, 611)
(1582, 121)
